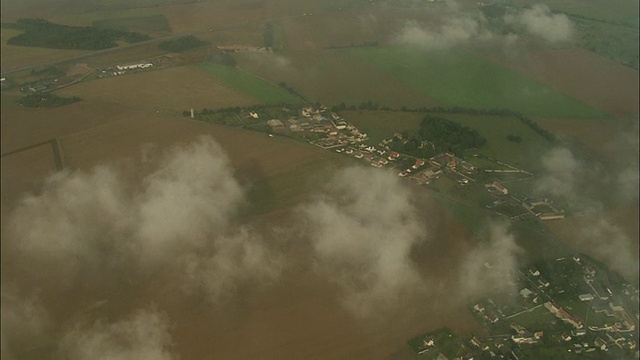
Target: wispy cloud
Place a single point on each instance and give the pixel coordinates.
(491, 268)
(539, 21)
(362, 233)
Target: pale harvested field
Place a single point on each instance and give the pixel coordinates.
(22, 127)
(14, 57)
(177, 88)
(587, 76)
(603, 137)
(332, 77)
(213, 14)
(24, 172)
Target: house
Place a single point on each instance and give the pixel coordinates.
(253, 114)
(601, 344)
(534, 271)
(394, 155)
(419, 163)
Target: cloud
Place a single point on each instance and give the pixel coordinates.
(65, 224)
(362, 233)
(561, 172)
(455, 30)
(191, 195)
(238, 258)
(25, 323)
(539, 21)
(95, 224)
(609, 244)
(144, 336)
(492, 266)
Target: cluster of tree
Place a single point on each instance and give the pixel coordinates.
(47, 100)
(437, 135)
(48, 71)
(352, 45)
(181, 44)
(514, 138)
(223, 58)
(42, 33)
(291, 90)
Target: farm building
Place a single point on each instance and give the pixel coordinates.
(585, 297)
(496, 186)
(275, 125)
(134, 66)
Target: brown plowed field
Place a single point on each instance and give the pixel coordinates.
(177, 88)
(212, 14)
(587, 76)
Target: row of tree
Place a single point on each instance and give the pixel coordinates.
(42, 33)
(47, 100)
(182, 43)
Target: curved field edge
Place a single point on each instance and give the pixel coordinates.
(459, 78)
(249, 84)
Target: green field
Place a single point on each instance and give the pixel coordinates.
(249, 84)
(153, 23)
(459, 78)
(524, 155)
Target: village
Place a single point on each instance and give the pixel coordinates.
(328, 130)
(566, 308)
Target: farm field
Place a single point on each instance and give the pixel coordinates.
(496, 129)
(249, 84)
(459, 78)
(582, 74)
(148, 15)
(24, 171)
(200, 16)
(22, 127)
(178, 88)
(15, 57)
(332, 77)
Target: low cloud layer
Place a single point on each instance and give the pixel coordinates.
(363, 232)
(539, 21)
(610, 245)
(143, 336)
(492, 266)
(25, 323)
(454, 25)
(561, 173)
(94, 221)
(455, 29)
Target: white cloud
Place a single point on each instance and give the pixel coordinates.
(609, 244)
(539, 21)
(561, 173)
(88, 223)
(363, 233)
(492, 266)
